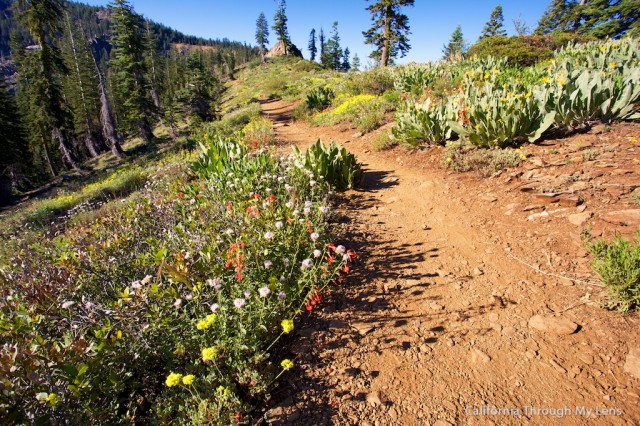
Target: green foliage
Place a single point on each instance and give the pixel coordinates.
(617, 263)
(333, 164)
(456, 47)
(280, 26)
(233, 122)
(320, 99)
(389, 31)
(333, 54)
(383, 141)
(258, 133)
(179, 298)
(262, 33)
(365, 111)
(428, 122)
(524, 50)
(495, 26)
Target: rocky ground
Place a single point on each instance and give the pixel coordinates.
(473, 301)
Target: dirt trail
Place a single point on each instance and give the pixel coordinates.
(437, 325)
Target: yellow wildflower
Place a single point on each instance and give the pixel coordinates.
(633, 139)
(222, 391)
(212, 317)
(209, 354)
(203, 324)
(528, 95)
(287, 325)
(53, 399)
(546, 80)
(449, 159)
(188, 379)
(613, 65)
(173, 379)
(287, 364)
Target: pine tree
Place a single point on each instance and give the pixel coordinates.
(520, 26)
(355, 63)
(313, 50)
(323, 43)
(390, 30)
(495, 25)
(262, 34)
(280, 26)
(456, 46)
(152, 62)
(130, 70)
(42, 74)
(199, 94)
(346, 65)
(332, 57)
(80, 86)
(556, 17)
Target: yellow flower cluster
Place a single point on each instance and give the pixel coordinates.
(188, 379)
(287, 325)
(287, 364)
(53, 399)
(222, 391)
(207, 322)
(209, 354)
(173, 379)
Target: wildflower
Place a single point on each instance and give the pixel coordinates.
(173, 379)
(146, 280)
(203, 324)
(306, 264)
(189, 296)
(289, 204)
(214, 307)
(340, 249)
(286, 261)
(296, 212)
(177, 303)
(317, 253)
(308, 203)
(287, 325)
(209, 354)
(136, 285)
(288, 187)
(53, 399)
(268, 264)
(449, 159)
(279, 224)
(215, 283)
(314, 236)
(188, 379)
(222, 391)
(312, 183)
(264, 291)
(268, 235)
(287, 364)
(247, 293)
(307, 210)
(613, 65)
(324, 209)
(68, 304)
(282, 295)
(239, 303)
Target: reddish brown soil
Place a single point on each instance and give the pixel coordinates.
(432, 327)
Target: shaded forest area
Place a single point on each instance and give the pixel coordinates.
(77, 80)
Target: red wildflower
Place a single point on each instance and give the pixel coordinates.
(180, 195)
(271, 198)
(332, 247)
(229, 205)
(256, 196)
(352, 255)
(346, 269)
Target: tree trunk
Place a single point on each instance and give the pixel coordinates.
(384, 59)
(47, 156)
(109, 126)
(145, 130)
(68, 157)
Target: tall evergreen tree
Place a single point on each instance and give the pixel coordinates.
(80, 86)
(456, 46)
(152, 55)
(346, 65)
(323, 43)
(262, 34)
(199, 94)
(43, 18)
(280, 26)
(313, 50)
(130, 70)
(333, 52)
(495, 25)
(556, 17)
(355, 62)
(390, 30)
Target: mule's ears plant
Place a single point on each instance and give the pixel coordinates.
(334, 164)
(320, 99)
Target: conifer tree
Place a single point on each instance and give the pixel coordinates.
(520, 26)
(390, 30)
(200, 91)
(456, 46)
(49, 113)
(495, 25)
(346, 65)
(355, 62)
(313, 50)
(556, 17)
(280, 26)
(323, 43)
(153, 66)
(130, 70)
(262, 34)
(333, 52)
(80, 86)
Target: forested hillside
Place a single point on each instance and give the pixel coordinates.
(79, 80)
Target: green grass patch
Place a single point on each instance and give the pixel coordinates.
(462, 157)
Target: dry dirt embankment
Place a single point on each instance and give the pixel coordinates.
(471, 295)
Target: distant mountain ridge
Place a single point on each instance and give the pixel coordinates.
(95, 21)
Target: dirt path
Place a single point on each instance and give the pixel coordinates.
(439, 324)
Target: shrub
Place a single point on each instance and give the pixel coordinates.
(461, 157)
(258, 133)
(333, 164)
(524, 50)
(617, 263)
(320, 99)
(373, 82)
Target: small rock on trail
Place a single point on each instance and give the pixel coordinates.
(549, 324)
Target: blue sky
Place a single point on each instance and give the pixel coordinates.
(431, 22)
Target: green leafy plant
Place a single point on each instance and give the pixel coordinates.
(425, 123)
(320, 99)
(333, 164)
(617, 262)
